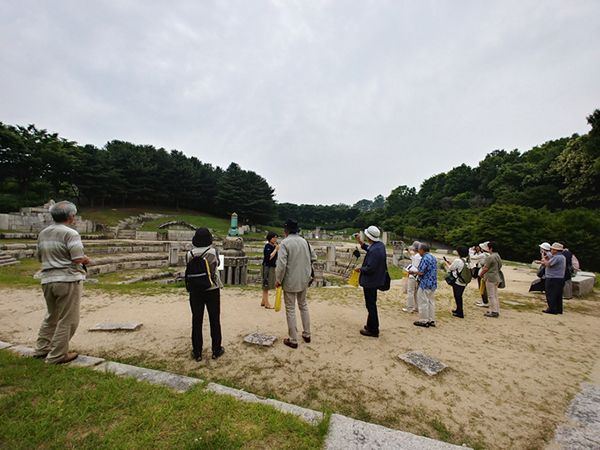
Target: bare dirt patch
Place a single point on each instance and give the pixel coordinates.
(508, 385)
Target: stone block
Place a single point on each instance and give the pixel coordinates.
(586, 274)
(116, 327)
(582, 285)
(5, 345)
(260, 339)
(585, 407)
(178, 383)
(350, 434)
(513, 303)
(23, 351)
(86, 361)
(426, 363)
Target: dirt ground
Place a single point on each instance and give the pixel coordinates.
(509, 382)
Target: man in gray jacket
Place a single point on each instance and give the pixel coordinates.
(293, 274)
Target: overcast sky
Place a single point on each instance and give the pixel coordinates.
(330, 101)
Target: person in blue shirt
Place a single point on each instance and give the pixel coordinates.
(427, 272)
(372, 276)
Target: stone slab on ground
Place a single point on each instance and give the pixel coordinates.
(23, 351)
(116, 327)
(4, 345)
(576, 438)
(581, 273)
(86, 361)
(351, 434)
(178, 383)
(426, 363)
(582, 285)
(260, 339)
(584, 411)
(585, 407)
(508, 302)
(308, 415)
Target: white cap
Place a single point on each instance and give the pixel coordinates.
(545, 246)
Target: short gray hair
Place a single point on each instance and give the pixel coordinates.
(63, 211)
(423, 246)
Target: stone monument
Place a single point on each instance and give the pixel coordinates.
(398, 252)
(236, 261)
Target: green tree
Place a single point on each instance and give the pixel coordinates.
(579, 164)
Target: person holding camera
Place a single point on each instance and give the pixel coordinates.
(372, 276)
(268, 268)
(413, 285)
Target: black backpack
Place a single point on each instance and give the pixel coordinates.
(197, 273)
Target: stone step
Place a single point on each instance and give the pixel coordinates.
(9, 263)
(126, 234)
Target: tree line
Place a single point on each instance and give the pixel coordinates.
(36, 165)
(549, 193)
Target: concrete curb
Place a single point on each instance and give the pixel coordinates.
(308, 415)
(178, 383)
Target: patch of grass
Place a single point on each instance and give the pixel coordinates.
(396, 273)
(196, 219)
(442, 430)
(68, 407)
(20, 275)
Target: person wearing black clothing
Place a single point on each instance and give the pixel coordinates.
(568, 288)
(268, 268)
(372, 276)
(209, 298)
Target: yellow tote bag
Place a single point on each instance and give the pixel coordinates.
(354, 278)
(278, 298)
(482, 287)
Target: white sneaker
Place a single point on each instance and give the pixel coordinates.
(483, 305)
(406, 310)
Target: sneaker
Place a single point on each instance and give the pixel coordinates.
(197, 358)
(422, 324)
(218, 353)
(492, 314)
(483, 305)
(406, 310)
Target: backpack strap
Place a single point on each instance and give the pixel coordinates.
(191, 252)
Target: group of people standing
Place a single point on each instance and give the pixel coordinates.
(287, 265)
(483, 262)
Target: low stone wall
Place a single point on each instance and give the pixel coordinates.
(35, 220)
(180, 235)
(150, 236)
(126, 265)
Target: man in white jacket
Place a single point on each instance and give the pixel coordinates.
(293, 274)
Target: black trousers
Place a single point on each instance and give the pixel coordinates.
(212, 301)
(371, 304)
(554, 292)
(458, 298)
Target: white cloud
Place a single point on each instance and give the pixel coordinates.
(330, 101)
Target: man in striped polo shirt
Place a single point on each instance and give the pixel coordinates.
(60, 251)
